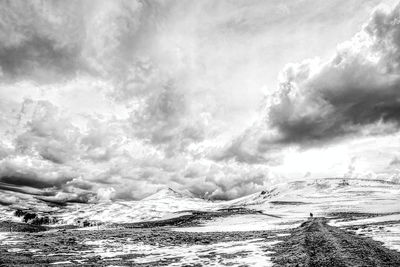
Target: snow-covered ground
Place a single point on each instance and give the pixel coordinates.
(325, 195)
(288, 202)
(389, 235)
(235, 253)
(385, 229)
(291, 203)
(11, 200)
(374, 220)
(246, 252)
(242, 222)
(165, 204)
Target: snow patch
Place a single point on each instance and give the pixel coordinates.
(244, 222)
(252, 252)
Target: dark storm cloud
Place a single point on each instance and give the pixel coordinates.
(359, 87)
(61, 199)
(32, 180)
(25, 190)
(356, 93)
(338, 114)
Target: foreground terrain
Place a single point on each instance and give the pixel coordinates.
(313, 243)
(357, 224)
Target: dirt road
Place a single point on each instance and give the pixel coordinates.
(315, 243)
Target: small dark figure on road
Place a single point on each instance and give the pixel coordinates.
(311, 215)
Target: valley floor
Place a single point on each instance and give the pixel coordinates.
(313, 243)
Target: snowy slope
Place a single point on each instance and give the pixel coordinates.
(287, 205)
(11, 201)
(326, 195)
(164, 204)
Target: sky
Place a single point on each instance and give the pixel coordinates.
(108, 100)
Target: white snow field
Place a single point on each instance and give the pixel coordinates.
(298, 198)
(287, 205)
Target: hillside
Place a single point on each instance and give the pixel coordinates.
(164, 204)
(290, 201)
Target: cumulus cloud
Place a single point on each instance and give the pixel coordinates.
(164, 120)
(357, 88)
(46, 133)
(26, 171)
(355, 93)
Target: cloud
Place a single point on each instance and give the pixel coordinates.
(25, 190)
(105, 194)
(51, 40)
(355, 93)
(241, 149)
(46, 133)
(233, 181)
(62, 198)
(351, 168)
(115, 99)
(394, 162)
(164, 119)
(227, 180)
(24, 171)
(32, 43)
(357, 88)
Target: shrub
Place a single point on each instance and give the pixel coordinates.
(19, 213)
(29, 216)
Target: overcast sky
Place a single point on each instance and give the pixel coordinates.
(117, 99)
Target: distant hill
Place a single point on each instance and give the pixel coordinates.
(290, 199)
(170, 193)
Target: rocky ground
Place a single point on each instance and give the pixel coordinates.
(136, 244)
(313, 243)
(127, 247)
